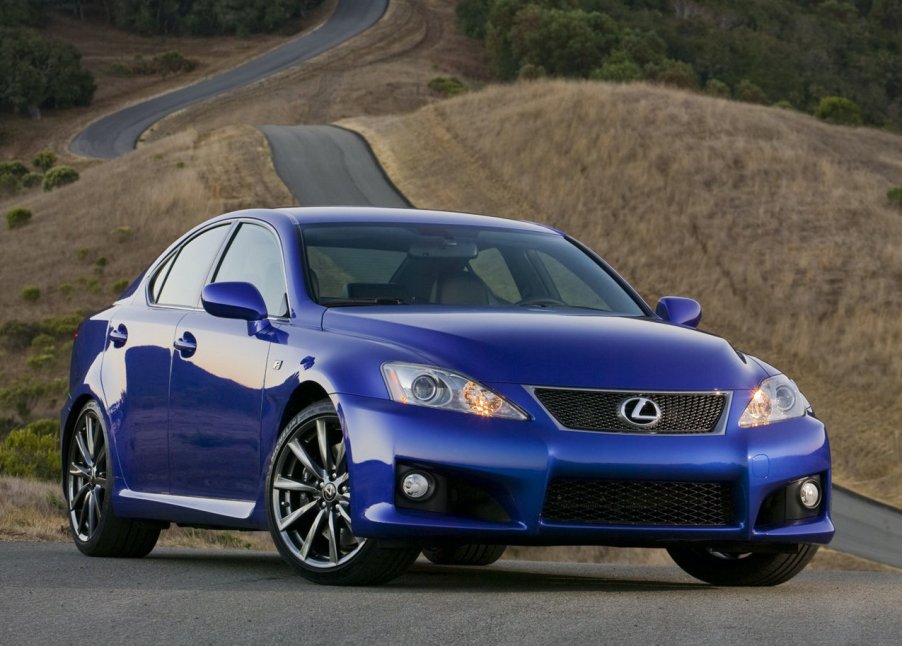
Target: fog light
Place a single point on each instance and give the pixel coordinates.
(416, 486)
(810, 494)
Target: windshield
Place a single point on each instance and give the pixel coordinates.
(366, 264)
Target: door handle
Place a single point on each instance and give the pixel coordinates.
(118, 335)
(186, 344)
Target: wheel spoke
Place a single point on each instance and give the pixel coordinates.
(78, 471)
(304, 459)
(89, 432)
(95, 511)
(344, 514)
(78, 496)
(287, 484)
(339, 454)
(314, 528)
(325, 450)
(100, 481)
(290, 519)
(89, 516)
(343, 478)
(85, 454)
(333, 540)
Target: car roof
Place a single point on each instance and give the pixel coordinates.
(363, 214)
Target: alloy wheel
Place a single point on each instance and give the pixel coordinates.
(311, 495)
(86, 478)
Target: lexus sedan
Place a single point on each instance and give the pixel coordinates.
(370, 384)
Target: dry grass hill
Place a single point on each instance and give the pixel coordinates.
(776, 222)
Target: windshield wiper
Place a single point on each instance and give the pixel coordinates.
(356, 302)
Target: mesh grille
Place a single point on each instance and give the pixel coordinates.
(596, 410)
(638, 502)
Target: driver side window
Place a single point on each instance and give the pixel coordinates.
(253, 256)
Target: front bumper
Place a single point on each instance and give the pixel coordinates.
(510, 464)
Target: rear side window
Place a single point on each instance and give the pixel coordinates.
(185, 277)
(253, 257)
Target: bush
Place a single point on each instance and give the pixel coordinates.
(675, 73)
(59, 176)
(22, 396)
(530, 72)
(9, 184)
(14, 168)
(618, 71)
(120, 286)
(122, 234)
(894, 195)
(447, 86)
(172, 62)
(838, 110)
(17, 217)
(120, 69)
(31, 294)
(32, 451)
(44, 160)
(750, 93)
(32, 179)
(714, 87)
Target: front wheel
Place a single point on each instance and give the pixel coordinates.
(89, 479)
(467, 554)
(741, 568)
(308, 500)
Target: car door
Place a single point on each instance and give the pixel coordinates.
(138, 361)
(218, 370)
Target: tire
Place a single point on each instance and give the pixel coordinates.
(742, 569)
(308, 498)
(88, 485)
(467, 554)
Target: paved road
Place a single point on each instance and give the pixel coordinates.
(118, 133)
(50, 594)
(330, 166)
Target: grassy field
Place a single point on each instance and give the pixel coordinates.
(779, 224)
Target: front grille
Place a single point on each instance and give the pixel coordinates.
(596, 410)
(638, 502)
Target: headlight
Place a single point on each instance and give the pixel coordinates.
(777, 398)
(409, 383)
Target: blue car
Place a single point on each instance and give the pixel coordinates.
(370, 384)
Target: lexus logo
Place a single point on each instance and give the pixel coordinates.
(639, 411)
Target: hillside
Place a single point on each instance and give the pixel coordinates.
(776, 222)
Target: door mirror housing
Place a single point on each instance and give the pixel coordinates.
(679, 310)
(234, 301)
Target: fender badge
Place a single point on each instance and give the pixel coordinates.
(277, 365)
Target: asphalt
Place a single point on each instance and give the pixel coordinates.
(51, 594)
(866, 528)
(118, 133)
(330, 166)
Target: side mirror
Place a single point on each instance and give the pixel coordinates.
(234, 301)
(682, 311)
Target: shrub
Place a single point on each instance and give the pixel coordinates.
(750, 93)
(32, 179)
(447, 86)
(894, 195)
(22, 396)
(675, 73)
(618, 71)
(101, 262)
(14, 168)
(783, 104)
(838, 110)
(120, 286)
(530, 72)
(9, 184)
(32, 451)
(122, 234)
(31, 294)
(718, 88)
(44, 160)
(120, 69)
(43, 351)
(17, 217)
(59, 176)
(172, 62)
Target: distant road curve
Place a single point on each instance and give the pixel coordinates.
(118, 133)
(330, 166)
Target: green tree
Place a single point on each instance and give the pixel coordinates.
(37, 73)
(838, 110)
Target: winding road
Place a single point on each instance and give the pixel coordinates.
(327, 165)
(118, 133)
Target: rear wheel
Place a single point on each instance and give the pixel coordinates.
(742, 568)
(467, 554)
(89, 479)
(308, 504)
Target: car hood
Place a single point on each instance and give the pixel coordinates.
(555, 348)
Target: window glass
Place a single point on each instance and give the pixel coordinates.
(253, 257)
(572, 289)
(156, 283)
(491, 267)
(335, 268)
(186, 277)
